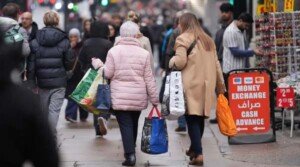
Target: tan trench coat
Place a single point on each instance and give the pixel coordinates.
(201, 74)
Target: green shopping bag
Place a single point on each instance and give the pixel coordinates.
(85, 92)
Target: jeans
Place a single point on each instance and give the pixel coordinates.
(52, 100)
(71, 111)
(181, 121)
(96, 124)
(195, 130)
(128, 122)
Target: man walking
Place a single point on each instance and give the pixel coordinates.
(225, 19)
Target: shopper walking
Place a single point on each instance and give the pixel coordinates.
(96, 46)
(74, 77)
(47, 65)
(201, 72)
(132, 82)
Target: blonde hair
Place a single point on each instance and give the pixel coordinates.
(51, 18)
(189, 23)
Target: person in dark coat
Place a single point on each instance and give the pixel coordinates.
(48, 63)
(26, 135)
(97, 46)
(225, 19)
(75, 75)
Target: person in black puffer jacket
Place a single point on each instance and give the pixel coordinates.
(96, 46)
(49, 60)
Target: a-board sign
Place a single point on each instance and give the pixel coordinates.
(249, 100)
(285, 97)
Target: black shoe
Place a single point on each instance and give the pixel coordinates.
(180, 129)
(213, 121)
(130, 160)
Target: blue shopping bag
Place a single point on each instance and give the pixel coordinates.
(154, 135)
(103, 98)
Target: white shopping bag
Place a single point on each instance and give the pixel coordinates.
(177, 102)
(166, 98)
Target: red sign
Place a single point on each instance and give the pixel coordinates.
(285, 97)
(249, 101)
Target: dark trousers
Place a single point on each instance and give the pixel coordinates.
(195, 129)
(106, 116)
(71, 111)
(128, 123)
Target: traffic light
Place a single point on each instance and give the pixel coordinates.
(103, 3)
(231, 2)
(46, 2)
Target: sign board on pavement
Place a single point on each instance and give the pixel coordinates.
(285, 97)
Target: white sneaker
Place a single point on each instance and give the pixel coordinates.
(102, 126)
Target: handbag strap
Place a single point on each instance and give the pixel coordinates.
(188, 53)
(75, 63)
(191, 47)
(151, 112)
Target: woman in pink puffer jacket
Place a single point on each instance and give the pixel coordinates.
(131, 82)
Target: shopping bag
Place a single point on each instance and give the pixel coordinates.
(85, 92)
(177, 102)
(165, 110)
(154, 135)
(103, 98)
(224, 117)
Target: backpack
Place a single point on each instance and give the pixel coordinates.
(13, 36)
(15, 39)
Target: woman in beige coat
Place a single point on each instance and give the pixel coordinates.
(201, 75)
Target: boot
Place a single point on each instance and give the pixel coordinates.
(190, 154)
(197, 161)
(130, 159)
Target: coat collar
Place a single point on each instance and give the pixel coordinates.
(128, 41)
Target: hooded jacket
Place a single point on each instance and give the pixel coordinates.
(50, 58)
(7, 23)
(132, 82)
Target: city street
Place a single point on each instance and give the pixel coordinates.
(79, 147)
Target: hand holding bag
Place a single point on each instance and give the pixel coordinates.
(154, 135)
(224, 116)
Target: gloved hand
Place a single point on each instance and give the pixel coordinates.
(96, 63)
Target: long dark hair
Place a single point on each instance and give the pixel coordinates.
(99, 29)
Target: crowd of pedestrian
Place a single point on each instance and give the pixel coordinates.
(50, 63)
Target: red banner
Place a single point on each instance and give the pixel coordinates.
(249, 101)
(285, 97)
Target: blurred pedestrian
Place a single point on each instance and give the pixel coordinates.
(201, 72)
(9, 25)
(131, 85)
(170, 52)
(112, 33)
(86, 29)
(96, 46)
(47, 66)
(29, 25)
(74, 77)
(26, 135)
(225, 19)
(236, 54)
(200, 20)
(31, 29)
(145, 43)
(117, 21)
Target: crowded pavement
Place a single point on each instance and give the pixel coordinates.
(108, 83)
